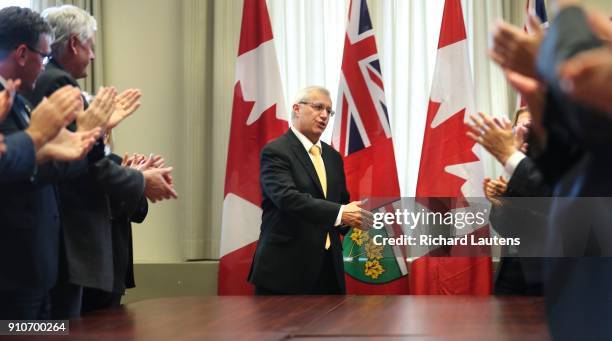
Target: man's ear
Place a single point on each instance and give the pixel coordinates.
(20, 54)
(72, 44)
(296, 108)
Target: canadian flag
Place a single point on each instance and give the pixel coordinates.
(258, 116)
(451, 166)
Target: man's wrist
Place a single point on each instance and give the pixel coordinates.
(37, 138)
(505, 156)
(513, 162)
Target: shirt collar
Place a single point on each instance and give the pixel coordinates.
(305, 141)
(3, 81)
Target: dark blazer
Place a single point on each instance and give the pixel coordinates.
(123, 256)
(29, 216)
(85, 207)
(578, 157)
(522, 215)
(296, 217)
(19, 160)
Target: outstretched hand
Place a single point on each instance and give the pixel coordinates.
(357, 217)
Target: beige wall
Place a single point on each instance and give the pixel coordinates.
(600, 5)
(142, 49)
(166, 49)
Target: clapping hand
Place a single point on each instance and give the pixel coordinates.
(68, 146)
(53, 114)
(494, 134)
(99, 112)
(6, 97)
(495, 188)
(158, 178)
(516, 50)
(125, 105)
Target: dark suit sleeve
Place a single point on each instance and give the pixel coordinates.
(125, 186)
(525, 201)
(19, 161)
(345, 199)
(278, 184)
(568, 35)
(527, 181)
(571, 127)
(54, 171)
(140, 210)
(140, 213)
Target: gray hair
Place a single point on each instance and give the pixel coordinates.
(66, 21)
(304, 94)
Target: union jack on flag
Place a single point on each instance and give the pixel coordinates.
(361, 96)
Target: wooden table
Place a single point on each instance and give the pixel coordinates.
(318, 318)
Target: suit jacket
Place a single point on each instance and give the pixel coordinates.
(577, 289)
(522, 215)
(297, 217)
(87, 257)
(122, 217)
(29, 216)
(19, 160)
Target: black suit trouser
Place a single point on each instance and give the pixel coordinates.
(326, 283)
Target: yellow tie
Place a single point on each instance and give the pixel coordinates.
(317, 160)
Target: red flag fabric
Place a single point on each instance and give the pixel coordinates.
(362, 135)
(258, 116)
(450, 163)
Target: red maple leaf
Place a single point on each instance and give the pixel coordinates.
(444, 145)
(246, 142)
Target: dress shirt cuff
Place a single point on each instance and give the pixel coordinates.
(339, 217)
(513, 162)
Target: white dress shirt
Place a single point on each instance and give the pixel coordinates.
(513, 162)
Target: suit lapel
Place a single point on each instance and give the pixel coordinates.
(302, 155)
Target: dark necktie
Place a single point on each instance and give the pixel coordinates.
(22, 109)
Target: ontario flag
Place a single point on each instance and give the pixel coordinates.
(258, 116)
(362, 135)
(451, 167)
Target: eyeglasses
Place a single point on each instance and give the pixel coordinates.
(320, 107)
(44, 56)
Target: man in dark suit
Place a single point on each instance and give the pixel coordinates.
(578, 289)
(305, 207)
(575, 161)
(123, 260)
(87, 243)
(514, 213)
(29, 218)
(19, 159)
